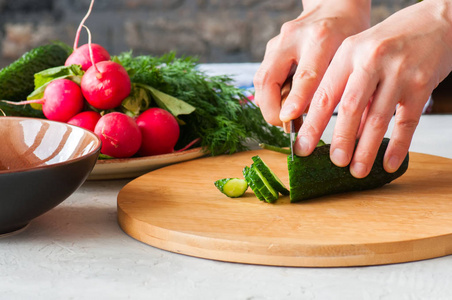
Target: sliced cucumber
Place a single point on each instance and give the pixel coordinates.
(268, 174)
(253, 176)
(232, 187)
(252, 184)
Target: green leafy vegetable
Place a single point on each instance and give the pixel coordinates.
(223, 117)
(43, 78)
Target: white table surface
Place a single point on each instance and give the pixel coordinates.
(78, 251)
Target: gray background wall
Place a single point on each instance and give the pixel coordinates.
(213, 30)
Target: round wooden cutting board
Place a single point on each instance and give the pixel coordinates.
(178, 208)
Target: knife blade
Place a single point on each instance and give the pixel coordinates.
(292, 137)
(292, 126)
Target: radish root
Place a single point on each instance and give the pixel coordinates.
(39, 101)
(79, 29)
(188, 145)
(91, 55)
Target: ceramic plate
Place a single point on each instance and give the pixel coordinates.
(137, 166)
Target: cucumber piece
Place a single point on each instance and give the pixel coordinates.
(268, 174)
(269, 193)
(259, 183)
(315, 175)
(232, 187)
(19, 110)
(252, 184)
(17, 79)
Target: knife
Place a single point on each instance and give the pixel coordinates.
(292, 126)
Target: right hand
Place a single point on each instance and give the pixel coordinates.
(307, 43)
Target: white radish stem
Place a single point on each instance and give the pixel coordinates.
(39, 101)
(91, 55)
(79, 29)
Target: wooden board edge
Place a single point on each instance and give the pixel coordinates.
(300, 256)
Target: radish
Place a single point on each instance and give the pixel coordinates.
(160, 131)
(119, 134)
(81, 56)
(86, 119)
(62, 100)
(106, 84)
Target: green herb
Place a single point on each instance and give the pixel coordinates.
(223, 118)
(43, 78)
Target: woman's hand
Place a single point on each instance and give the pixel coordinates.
(395, 64)
(305, 45)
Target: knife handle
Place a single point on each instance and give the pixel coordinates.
(285, 90)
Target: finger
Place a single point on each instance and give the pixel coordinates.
(313, 61)
(363, 118)
(359, 89)
(406, 120)
(268, 81)
(374, 128)
(322, 106)
(304, 84)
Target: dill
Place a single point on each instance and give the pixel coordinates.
(223, 119)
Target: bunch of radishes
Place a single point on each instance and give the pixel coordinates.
(104, 85)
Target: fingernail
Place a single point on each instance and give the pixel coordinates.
(340, 158)
(358, 170)
(301, 147)
(393, 164)
(286, 111)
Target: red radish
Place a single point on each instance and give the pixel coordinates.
(160, 131)
(119, 134)
(86, 119)
(106, 84)
(81, 56)
(62, 100)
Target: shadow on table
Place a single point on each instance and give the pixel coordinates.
(72, 223)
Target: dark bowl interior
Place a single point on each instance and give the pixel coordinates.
(41, 164)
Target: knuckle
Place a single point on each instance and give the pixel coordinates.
(309, 130)
(407, 124)
(344, 141)
(364, 156)
(400, 145)
(320, 30)
(420, 80)
(321, 100)
(382, 47)
(261, 78)
(271, 44)
(377, 121)
(351, 105)
(306, 74)
(287, 28)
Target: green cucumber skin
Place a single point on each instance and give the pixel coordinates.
(17, 79)
(251, 183)
(259, 188)
(271, 177)
(20, 110)
(266, 189)
(315, 175)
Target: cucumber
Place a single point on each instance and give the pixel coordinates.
(258, 182)
(315, 175)
(268, 174)
(17, 79)
(19, 110)
(252, 184)
(232, 187)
